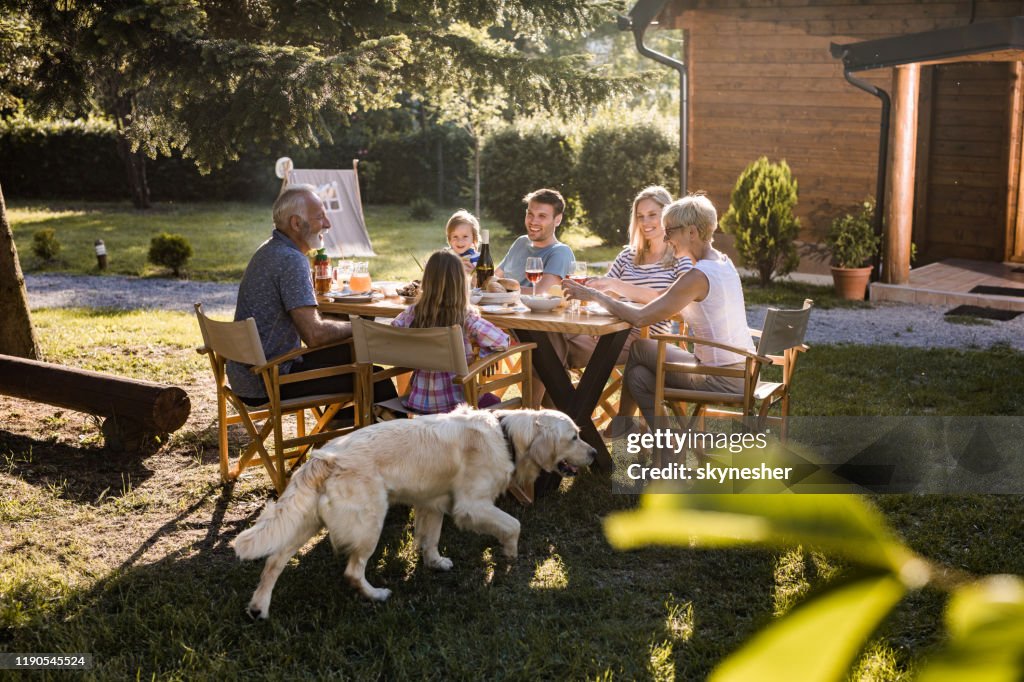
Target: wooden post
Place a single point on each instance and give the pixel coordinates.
(1014, 247)
(900, 207)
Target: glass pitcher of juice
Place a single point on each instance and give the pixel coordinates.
(360, 280)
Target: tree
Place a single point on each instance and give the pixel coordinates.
(17, 336)
(215, 78)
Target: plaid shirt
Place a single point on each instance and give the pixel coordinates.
(434, 392)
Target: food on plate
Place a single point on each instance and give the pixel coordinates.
(555, 291)
(410, 290)
(500, 285)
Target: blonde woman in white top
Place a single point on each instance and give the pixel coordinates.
(710, 297)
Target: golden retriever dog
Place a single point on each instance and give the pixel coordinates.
(456, 463)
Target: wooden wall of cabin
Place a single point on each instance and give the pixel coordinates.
(763, 82)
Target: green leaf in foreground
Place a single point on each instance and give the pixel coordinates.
(820, 638)
(838, 524)
(986, 627)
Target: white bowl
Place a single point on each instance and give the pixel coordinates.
(540, 304)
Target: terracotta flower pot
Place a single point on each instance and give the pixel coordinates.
(851, 283)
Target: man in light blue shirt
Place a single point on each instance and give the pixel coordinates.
(544, 210)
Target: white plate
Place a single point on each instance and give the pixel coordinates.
(488, 298)
(504, 309)
(389, 288)
(354, 298)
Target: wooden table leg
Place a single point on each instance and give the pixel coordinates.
(579, 402)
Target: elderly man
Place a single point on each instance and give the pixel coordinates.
(277, 291)
(544, 209)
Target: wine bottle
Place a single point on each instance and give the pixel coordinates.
(485, 264)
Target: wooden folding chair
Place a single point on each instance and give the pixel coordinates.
(436, 349)
(609, 402)
(240, 342)
(779, 343)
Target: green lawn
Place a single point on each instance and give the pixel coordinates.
(224, 236)
(127, 557)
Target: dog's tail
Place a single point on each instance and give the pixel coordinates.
(280, 520)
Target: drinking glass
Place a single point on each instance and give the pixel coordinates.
(578, 274)
(360, 281)
(534, 271)
(344, 273)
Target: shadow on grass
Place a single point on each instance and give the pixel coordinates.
(568, 607)
(77, 472)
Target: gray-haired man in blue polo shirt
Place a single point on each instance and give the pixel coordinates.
(277, 291)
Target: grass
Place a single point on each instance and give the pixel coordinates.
(790, 294)
(127, 556)
(224, 236)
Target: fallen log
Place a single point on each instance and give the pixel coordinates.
(134, 405)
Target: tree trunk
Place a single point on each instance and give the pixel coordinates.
(135, 166)
(440, 171)
(17, 337)
(476, 176)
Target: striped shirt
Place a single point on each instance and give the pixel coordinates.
(434, 392)
(654, 276)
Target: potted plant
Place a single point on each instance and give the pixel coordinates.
(853, 243)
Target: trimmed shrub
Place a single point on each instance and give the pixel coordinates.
(45, 245)
(761, 218)
(170, 250)
(513, 163)
(614, 164)
(420, 208)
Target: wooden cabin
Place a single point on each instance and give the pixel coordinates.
(764, 82)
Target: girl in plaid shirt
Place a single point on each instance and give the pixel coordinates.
(444, 301)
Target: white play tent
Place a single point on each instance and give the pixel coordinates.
(339, 190)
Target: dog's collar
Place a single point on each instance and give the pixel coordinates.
(508, 439)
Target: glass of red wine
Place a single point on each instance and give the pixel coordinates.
(534, 270)
(578, 274)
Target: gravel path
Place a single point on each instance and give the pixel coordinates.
(886, 323)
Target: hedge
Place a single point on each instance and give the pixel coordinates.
(614, 164)
(79, 160)
(515, 162)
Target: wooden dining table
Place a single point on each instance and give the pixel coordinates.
(579, 401)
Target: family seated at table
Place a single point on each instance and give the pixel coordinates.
(670, 266)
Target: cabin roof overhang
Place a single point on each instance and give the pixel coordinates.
(1001, 40)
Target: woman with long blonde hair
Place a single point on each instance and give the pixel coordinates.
(640, 273)
(443, 302)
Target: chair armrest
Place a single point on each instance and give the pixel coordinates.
(298, 352)
(484, 363)
(714, 344)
